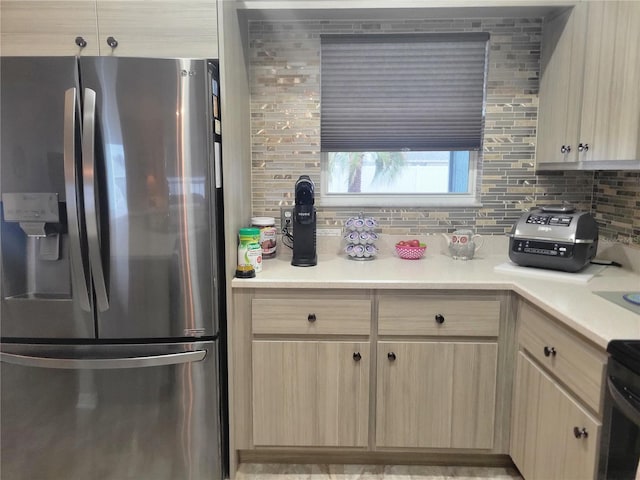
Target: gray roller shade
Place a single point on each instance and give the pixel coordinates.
(390, 92)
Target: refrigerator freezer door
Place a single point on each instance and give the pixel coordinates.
(125, 412)
(39, 295)
(155, 207)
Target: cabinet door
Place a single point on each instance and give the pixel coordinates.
(610, 121)
(158, 28)
(544, 441)
(561, 71)
(47, 28)
(436, 394)
(310, 393)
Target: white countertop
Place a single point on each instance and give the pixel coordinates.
(573, 303)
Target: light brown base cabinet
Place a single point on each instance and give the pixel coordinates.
(556, 422)
(310, 393)
(436, 394)
(553, 437)
(369, 373)
(411, 376)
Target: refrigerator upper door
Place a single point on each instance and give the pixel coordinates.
(151, 173)
(110, 412)
(44, 291)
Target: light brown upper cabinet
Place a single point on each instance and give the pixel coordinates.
(589, 102)
(48, 28)
(158, 28)
(148, 28)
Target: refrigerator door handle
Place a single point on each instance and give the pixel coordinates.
(71, 193)
(90, 198)
(103, 363)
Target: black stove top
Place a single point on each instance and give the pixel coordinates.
(626, 352)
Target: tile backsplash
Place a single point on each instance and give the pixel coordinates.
(285, 128)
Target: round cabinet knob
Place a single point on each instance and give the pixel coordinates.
(391, 356)
(580, 432)
(583, 147)
(549, 351)
(357, 357)
(311, 317)
(81, 42)
(439, 318)
(112, 42)
(565, 149)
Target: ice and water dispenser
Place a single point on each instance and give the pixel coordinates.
(35, 264)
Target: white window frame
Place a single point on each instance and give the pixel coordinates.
(468, 199)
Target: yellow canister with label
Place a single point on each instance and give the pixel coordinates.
(249, 249)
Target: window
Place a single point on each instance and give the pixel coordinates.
(401, 118)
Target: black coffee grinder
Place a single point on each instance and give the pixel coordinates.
(304, 224)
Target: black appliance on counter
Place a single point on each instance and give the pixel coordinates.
(304, 224)
(620, 439)
(554, 237)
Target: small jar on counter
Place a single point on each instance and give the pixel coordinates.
(268, 235)
(249, 250)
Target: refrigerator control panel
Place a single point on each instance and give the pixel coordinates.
(31, 207)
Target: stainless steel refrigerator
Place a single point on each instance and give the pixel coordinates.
(110, 294)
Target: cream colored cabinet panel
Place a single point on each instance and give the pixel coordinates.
(418, 315)
(575, 363)
(324, 316)
(560, 92)
(47, 28)
(310, 393)
(436, 394)
(610, 121)
(589, 103)
(552, 437)
(158, 28)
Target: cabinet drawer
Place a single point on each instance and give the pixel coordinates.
(320, 316)
(575, 363)
(414, 315)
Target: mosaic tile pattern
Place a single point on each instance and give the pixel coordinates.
(285, 126)
(617, 206)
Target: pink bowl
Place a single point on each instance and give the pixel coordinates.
(410, 253)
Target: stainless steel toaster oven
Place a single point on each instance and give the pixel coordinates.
(554, 237)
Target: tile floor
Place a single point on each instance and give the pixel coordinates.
(252, 471)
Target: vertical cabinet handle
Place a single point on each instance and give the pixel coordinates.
(311, 317)
(81, 42)
(357, 357)
(583, 147)
(391, 356)
(565, 148)
(112, 42)
(549, 351)
(439, 318)
(580, 432)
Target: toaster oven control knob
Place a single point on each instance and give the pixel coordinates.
(580, 432)
(391, 356)
(357, 357)
(439, 318)
(565, 149)
(311, 317)
(549, 351)
(583, 147)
